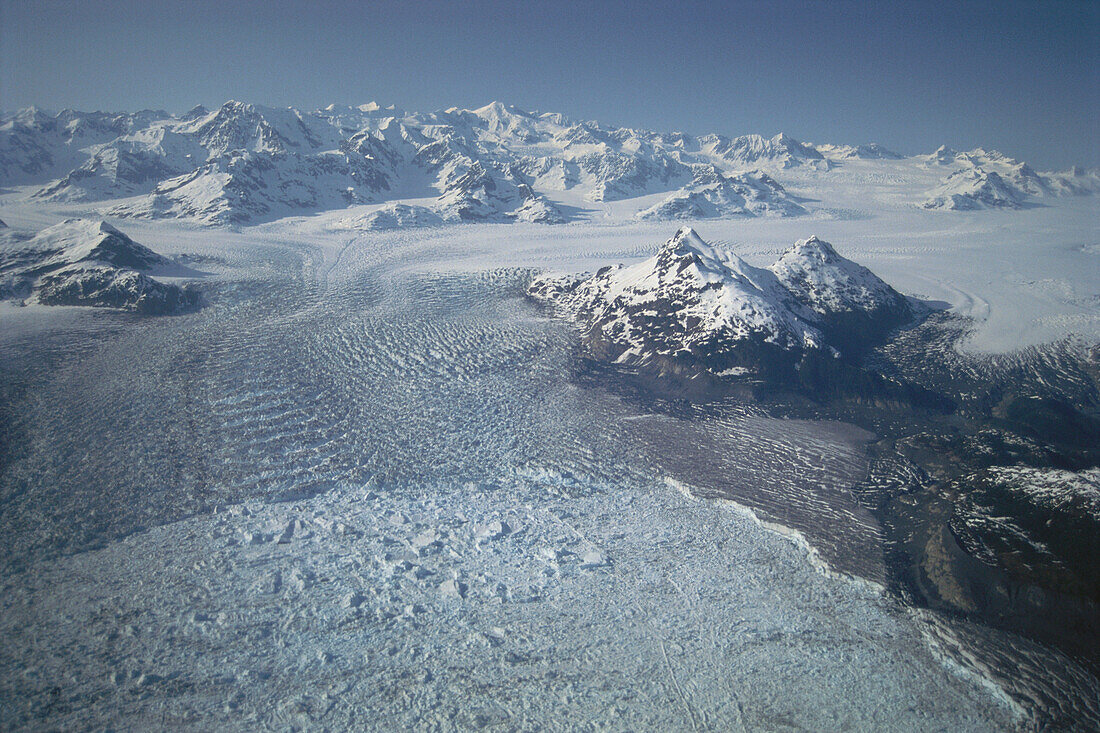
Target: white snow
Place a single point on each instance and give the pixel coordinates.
(829, 283)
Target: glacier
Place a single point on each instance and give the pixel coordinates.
(369, 484)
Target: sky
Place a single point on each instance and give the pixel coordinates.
(1020, 77)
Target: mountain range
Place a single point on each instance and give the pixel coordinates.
(243, 163)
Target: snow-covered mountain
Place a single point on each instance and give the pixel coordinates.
(88, 262)
(391, 216)
(242, 186)
(693, 307)
(984, 179)
(968, 189)
(850, 304)
(243, 163)
(870, 151)
(782, 150)
(712, 194)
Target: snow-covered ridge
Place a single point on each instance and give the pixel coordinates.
(391, 216)
(712, 194)
(984, 179)
(699, 306)
(244, 163)
(88, 262)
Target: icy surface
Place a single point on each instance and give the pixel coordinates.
(361, 485)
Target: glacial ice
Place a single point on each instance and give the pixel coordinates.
(355, 491)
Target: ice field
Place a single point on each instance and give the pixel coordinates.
(362, 489)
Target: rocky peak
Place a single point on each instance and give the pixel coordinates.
(812, 249)
(851, 304)
(686, 243)
(94, 241)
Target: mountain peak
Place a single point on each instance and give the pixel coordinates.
(493, 108)
(687, 243)
(853, 305)
(84, 227)
(686, 237)
(33, 117)
(195, 112)
(944, 154)
(78, 227)
(91, 242)
(815, 248)
(232, 105)
(373, 106)
(88, 262)
(694, 308)
(106, 228)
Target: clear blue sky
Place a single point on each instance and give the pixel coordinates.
(1022, 77)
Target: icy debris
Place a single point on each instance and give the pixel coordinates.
(354, 600)
(593, 559)
(288, 533)
(494, 530)
(418, 573)
(425, 539)
(254, 537)
(495, 636)
(453, 589)
(549, 553)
